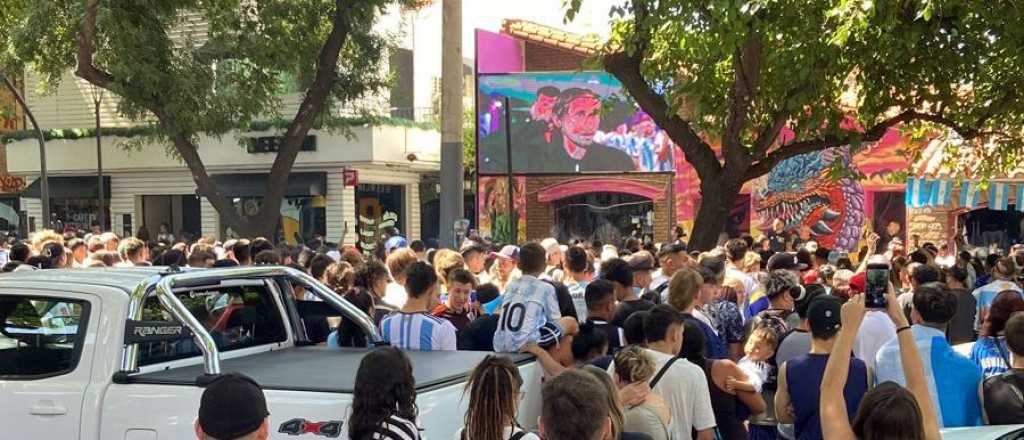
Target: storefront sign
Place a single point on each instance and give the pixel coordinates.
(11, 184)
(351, 177)
(929, 224)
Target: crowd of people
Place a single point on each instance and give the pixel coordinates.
(650, 341)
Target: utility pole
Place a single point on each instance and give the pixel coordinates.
(101, 215)
(451, 121)
(44, 183)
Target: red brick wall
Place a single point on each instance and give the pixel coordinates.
(546, 59)
(541, 216)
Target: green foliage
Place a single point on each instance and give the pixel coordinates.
(960, 62)
(155, 133)
(469, 141)
(212, 65)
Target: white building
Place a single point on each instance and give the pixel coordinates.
(395, 163)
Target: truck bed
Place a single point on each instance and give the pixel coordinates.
(329, 370)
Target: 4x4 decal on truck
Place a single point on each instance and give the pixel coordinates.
(331, 429)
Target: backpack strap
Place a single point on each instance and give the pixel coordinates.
(663, 370)
(518, 435)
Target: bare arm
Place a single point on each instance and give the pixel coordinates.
(707, 434)
(913, 369)
(835, 423)
(551, 367)
(782, 401)
(752, 400)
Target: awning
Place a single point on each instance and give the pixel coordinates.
(254, 185)
(69, 187)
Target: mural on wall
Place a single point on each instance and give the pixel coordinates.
(565, 123)
(11, 118)
(495, 219)
(800, 192)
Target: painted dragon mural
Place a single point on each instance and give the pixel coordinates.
(800, 192)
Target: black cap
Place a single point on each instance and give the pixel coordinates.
(823, 314)
(785, 260)
(232, 406)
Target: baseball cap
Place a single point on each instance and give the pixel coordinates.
(395, 242)
(823, 314)
(811, 277)
(549, 244)
(507, 252)
(550, 334)
(232, 406)
(470, 247)
(785, 260)
(858, 282)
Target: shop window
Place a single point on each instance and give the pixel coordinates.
(379, 207)
(608, 217)
(302, 218)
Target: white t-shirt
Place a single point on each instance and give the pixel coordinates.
(506, 435)
(876, 329)
(685, 389)
(757, 372)
(395, 295)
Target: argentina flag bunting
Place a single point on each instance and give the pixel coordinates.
(940, 193)
(968, 195)
(998, 196)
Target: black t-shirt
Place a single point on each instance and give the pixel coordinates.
(627, 308)
(777, 242)
(1004, 398)
(961, 327)
(616, 338)
(479, 334)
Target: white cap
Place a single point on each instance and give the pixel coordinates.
(549, 244)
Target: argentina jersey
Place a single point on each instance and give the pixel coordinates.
(528, 304)
(418, 331)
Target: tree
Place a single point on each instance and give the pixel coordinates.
(836, 72)
(218, 84)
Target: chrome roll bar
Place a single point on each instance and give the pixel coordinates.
(163, 287)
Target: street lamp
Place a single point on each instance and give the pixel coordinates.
(97, 99)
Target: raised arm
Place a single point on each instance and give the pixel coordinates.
(835, 423)
(913, 369)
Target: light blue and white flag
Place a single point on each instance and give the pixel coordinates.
(968, 195)
(940, 193)
(1020, 197)
(998, 196)
(918, 192)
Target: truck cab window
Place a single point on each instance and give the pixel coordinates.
(40, 337)
(235, 316)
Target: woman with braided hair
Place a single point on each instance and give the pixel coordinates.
(493, 390)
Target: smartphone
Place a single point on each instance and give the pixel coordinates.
(876, 286)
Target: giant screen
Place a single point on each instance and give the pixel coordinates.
(563, 123)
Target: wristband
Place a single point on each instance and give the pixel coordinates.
(906, 327)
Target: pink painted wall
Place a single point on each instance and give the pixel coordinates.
(496, 53)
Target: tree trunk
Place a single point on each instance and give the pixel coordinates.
(717, 199)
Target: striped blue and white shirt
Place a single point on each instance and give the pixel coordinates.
(418, 331)
(528, 304)
(952, 378)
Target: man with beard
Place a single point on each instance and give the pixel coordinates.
(575, 118)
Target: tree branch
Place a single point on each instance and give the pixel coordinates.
(770, 132)
(873, 134)
(747, 77)
(626, 68)
(185, 147)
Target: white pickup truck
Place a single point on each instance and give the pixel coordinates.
(124, 354)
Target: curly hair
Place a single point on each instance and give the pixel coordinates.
(368, 273)
(384, 388)
(493, 388)
(632, 365)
